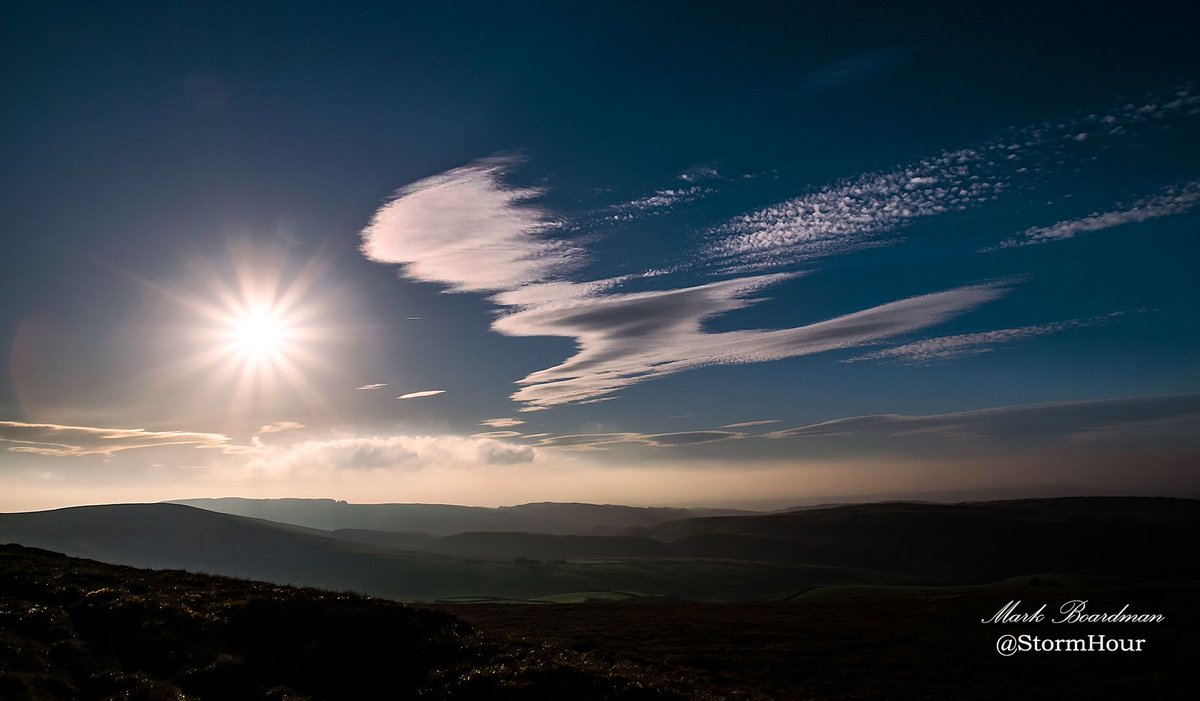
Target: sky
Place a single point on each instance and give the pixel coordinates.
(654, 253)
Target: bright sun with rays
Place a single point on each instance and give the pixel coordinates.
(258, 333)
(261, 333)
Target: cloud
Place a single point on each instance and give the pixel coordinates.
(54, 440)
(870, 210)
(854, 69)
(658, 203)
(680, 438)
(398, 453)
(701, 172)
(948, 347)
(501, 423)
(1178, 199)
(854, 214)
(598, 441)
(496, 434)
(624, 339)
(748, 424)
(280, 426)
(422, 393)
(1017, 425)
(377, 385)
(466, 230)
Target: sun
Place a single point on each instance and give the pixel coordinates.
(261, 333)
(257, 331)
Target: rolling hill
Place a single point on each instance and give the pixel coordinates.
(712, 558)
(448, 519)
(1112, 536)
(181, 537)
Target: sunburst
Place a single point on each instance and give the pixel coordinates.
(257, 331)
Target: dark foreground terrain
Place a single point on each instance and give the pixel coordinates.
(77, 629)
(856, 643)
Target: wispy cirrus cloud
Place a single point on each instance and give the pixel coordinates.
(1013, 424)
(854, 214)
(376, 385)
(1174, 200)
(422, 394)
(54, 440)
(748, 424)
(496, 434)
(947, 347)
(281, 426)
(622, 338)
(852, 69)
(872, 209)
(660, 202)
(630, 338)
(600, 441)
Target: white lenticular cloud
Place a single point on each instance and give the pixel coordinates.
(501, 423)
(423, 393)
(466, 230)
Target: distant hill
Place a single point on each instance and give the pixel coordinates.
(182, 537)
(712, 558)
(508, 546)
(1114, 536)
(77, 629)
(447, 519)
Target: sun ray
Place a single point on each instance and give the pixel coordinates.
(256, 335)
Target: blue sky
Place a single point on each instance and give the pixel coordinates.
(653, 253)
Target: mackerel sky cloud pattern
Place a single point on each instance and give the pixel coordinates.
(872, 209)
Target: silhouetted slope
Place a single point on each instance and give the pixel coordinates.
(181, 537)
(507, 546)
(394, 540)
(80, 630)
(725, 558)
(1143, 537)
(446, 519)
(177, 536)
